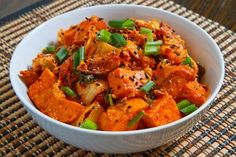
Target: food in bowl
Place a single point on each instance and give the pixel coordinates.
(130, 74)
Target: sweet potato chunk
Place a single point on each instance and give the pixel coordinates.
(175, 55)
(117, 117)
(49, 99)
(43, 61)
(173, 78)
(194, 92)
(125, 83)
(29, 76)
(173, 47)
(79, 34)
(132, 48)
(66, 37)
(163, 110)
(88, 28)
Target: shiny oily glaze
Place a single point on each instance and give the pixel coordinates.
(108, 82)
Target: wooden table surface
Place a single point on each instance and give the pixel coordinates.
(222, 11)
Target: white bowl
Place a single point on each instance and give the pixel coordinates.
(202, 47)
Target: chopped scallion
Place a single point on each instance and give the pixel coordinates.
(189, 109)
(128, 23)
(154, 43)
(78, 57)
(151, 50)
(104, 35)
(81, 54)
(49, 49)
(187, 61)
(148, 32)
(68, 91)
(118, 40)
(144, 30)
(152, 47)
(116, 23)
(61, 55)
(150, 37)
(110, 100)
(184, 103)
(75, 60)
(147, 87)
(88, 124)
(136, 119)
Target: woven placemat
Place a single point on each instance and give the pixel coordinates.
(215, 135)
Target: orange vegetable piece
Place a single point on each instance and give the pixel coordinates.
(29, 76)
(43, 61)
(194, 92)
(88, 29)
(173, 78)
(132, 48)
(173, 46)
(163, 110)
(80, 33)
(125, 83)
(175, 55)
(67, 37)
(117, 117)
(49, 99)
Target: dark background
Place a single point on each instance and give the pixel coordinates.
(222, 11)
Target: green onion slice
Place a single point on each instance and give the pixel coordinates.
(147, 87)
(152, 47)
(144, 30)
(128, 23)
(104, 35)
(81, 54)
(136, 119)
(88, 124)
(148, 32)
(189, 109)
(110, 100)
(78, 57)
(61, 55)
(68, 91)
(151, 50)
(49, 49)
(150, 37)
(184, 103)
(118, 40)
(75, 60)
(154, 43)
(116, 23)
(187, 61)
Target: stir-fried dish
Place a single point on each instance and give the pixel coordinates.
(125, 75)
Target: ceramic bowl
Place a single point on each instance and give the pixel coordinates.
(201, 46)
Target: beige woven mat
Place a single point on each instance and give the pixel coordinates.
(215, 135)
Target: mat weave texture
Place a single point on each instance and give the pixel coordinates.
(214, 135)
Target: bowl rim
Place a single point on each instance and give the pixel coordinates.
(34, 110)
